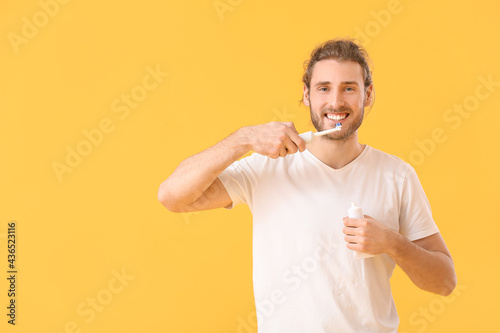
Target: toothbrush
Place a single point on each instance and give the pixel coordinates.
(308, 137)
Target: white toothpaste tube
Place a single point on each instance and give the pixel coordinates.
(355, 212)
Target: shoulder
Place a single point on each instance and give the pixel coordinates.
(388, 162)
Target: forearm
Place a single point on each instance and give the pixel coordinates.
(193, 184)
(429, 270)
(195, 174)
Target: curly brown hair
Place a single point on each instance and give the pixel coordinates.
(341, 49)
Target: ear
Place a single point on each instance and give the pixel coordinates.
(306, 96)
(369, 95)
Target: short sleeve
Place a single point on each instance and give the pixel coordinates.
(240, 178)
(415, 216)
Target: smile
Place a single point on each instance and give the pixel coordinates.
(336, 116)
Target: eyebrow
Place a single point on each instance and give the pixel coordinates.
(325, 83)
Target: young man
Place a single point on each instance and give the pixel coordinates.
(307, 277)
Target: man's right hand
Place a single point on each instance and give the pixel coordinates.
(274, 139)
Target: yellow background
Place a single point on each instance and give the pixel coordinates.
(192, 272)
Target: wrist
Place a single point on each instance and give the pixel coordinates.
(240, 141)
(398, 244)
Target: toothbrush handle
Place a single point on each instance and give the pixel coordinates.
(308, 137)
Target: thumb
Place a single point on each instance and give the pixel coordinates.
(290, 125)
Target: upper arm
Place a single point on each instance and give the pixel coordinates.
(433, 243)
(215, 196)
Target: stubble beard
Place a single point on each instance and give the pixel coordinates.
(346, 132)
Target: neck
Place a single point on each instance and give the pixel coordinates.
(336, 153)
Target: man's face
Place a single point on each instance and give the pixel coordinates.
(337, 95)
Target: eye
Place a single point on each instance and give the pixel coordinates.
(349, 89)
(323, 89)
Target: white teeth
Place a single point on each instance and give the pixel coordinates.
(335, 117)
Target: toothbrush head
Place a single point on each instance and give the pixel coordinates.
(338, 126)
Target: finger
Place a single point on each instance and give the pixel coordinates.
(350, 231)
(290, 146)
(350, 222)
(273, 152)
(283, 151)
(350, 239)
(296, 139)
(354, 246)
(273, 155)
(290, 125)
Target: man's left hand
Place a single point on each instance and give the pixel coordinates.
(368, 235)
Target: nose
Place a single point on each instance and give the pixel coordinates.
(335, 100)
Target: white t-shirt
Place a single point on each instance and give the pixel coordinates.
(305, 278)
